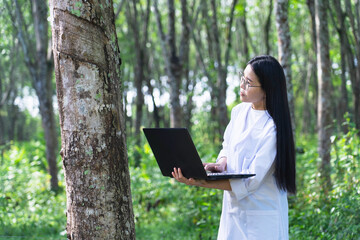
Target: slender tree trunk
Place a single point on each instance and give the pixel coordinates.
(285, 51)
(311, 6)
(153, 67)
(174, 72)
(7, 88)
(245, 38)
(214, 111)
(324, 102)
(43, 88)
(141, 62)
(87, 68)
(306, 106)
(222, 66)
(267, 28)
(354, 70)
(174, 60)
(40, 67)
(343, 101)
(221, 85)
(156, 109)
(189, 88)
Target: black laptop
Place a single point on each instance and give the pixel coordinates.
(173, 147)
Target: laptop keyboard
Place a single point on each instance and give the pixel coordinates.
(218, 173)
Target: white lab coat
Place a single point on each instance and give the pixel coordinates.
(255, 208)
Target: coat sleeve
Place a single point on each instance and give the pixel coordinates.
(261, 165)
(224, 151)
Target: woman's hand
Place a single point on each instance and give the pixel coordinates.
(220, 166)
(177, 174)
(217, 184)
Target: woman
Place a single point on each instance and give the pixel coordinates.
(257, 140)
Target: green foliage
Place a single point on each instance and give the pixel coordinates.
(313, 215)
(166, 209)
(27, 207)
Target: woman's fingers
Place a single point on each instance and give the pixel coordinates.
(177, 174)
(214, 167)
(211, 167)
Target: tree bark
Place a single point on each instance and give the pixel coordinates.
(87, 60)
(285, 51)
(324, 98)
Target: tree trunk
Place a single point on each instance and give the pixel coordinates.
(156, 115)
(7, 89)
(214, 119)
(285, 51)
(343, 101)
(306, 116)
(311, 6)
(354, 69)
(324, 98)
(268, 26)
(245, 38)
(189, 89)
(174, 61)
(222, 66)
(87, 68)
(42, 84)
(40, 67)
(174, 71)
(141, 62)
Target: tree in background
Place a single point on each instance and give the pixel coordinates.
(354, 58)
(8, 91)
(215, 64)
(138, 21)
(174, 58)
(347, 27)
(310, 104)
(222, 63)
(267, 26)
(39, 63)
(87, 69)
(324, 97)
(285, 51)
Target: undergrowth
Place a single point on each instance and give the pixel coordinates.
(165, 209)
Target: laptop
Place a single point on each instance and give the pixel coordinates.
(173, 147)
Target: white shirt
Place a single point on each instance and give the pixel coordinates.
(255, 208)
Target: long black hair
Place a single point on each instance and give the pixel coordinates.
(272, 79)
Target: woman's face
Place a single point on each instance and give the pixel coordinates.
(251, 91)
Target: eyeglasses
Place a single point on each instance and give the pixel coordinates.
(245, 81)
